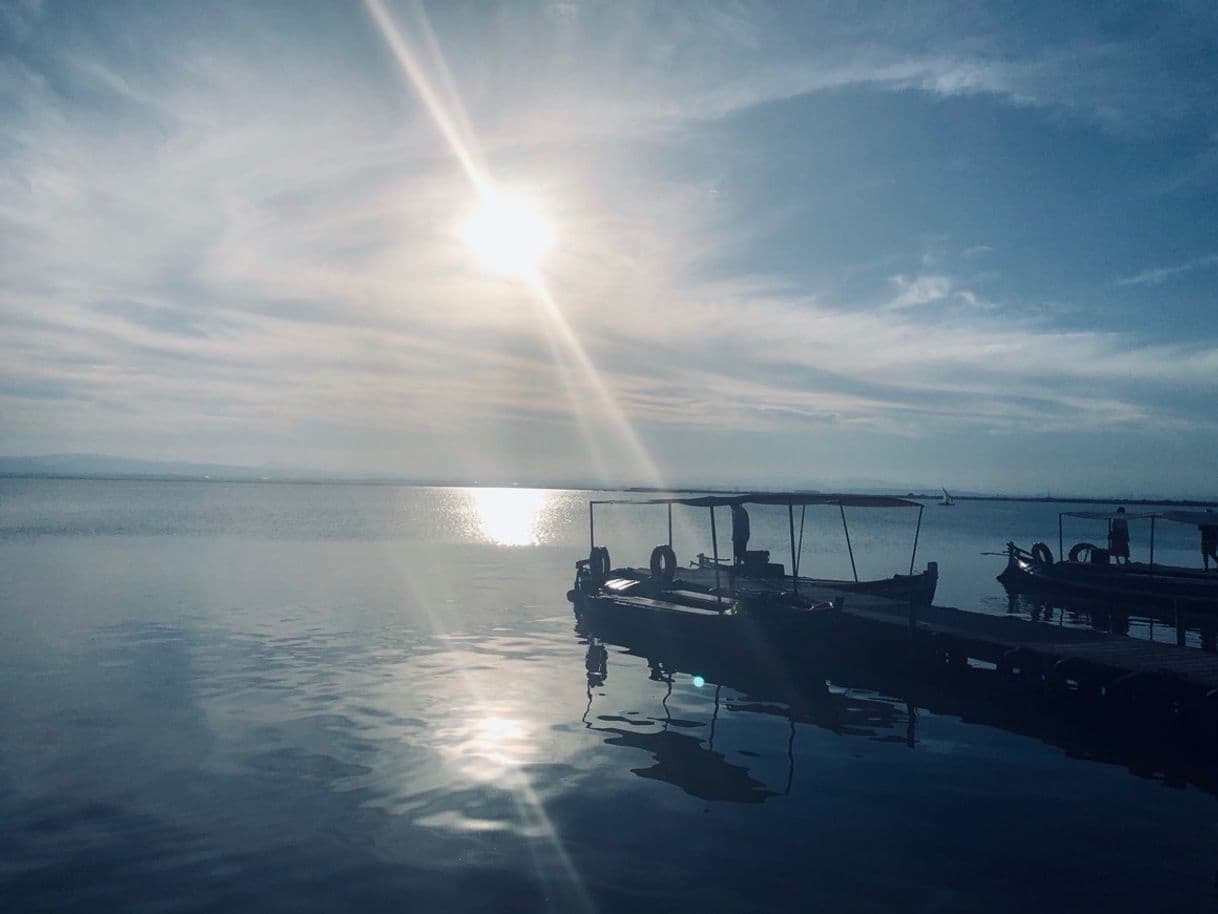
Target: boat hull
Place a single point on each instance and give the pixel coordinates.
(755, 634)
(917, 588)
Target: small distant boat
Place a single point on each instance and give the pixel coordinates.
(1086, 572)
(947, 500)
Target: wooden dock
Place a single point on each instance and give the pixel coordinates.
(1138, 681)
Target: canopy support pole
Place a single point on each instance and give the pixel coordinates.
(917, 532)
(803, 511)
(591, 526)
(794, 555)
(715, 550)
(1061, 543)
(1152, 544)
(849, 548)
(670, 526)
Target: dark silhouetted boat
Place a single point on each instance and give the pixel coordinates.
(1086, 570)
(755, 601)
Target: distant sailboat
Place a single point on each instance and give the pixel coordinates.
(948, 501)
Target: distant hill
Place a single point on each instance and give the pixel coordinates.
(105, 465)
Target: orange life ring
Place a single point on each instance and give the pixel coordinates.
(1042, 553)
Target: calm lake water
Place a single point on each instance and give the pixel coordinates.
(322, 698)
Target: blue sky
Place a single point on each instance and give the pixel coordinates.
(812, 244)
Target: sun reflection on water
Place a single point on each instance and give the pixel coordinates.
(490, 748)
(510, 517)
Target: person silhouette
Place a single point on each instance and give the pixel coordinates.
(740, 533)
(1118, 537)
(1209, 541)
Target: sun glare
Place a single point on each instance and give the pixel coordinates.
(508, 234)
(510, 517)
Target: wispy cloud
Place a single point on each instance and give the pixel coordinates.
(932, 288)
(214, 250)
(1159, 275)
(919, 290)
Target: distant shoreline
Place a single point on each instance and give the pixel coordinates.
(573, 487)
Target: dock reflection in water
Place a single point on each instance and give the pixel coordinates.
(1196, 629)
(851, 697)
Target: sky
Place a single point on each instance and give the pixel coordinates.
(808, 244)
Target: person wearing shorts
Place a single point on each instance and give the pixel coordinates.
(1118, 538)
(1209, 543)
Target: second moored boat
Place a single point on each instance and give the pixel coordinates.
(1086, 571)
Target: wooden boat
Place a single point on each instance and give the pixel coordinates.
(1087, 572)
(947, 500)
(918, 588)
(755, 601)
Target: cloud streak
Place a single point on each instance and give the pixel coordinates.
(1160, 275)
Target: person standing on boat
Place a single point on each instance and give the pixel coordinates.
(1118, 537)
(1209, 542)
(740, 533)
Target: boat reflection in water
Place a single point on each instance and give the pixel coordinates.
(703, 751)
(1147, 621)
(685, 750)
(688, 761)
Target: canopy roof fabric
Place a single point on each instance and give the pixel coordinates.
(847, 501)
(693, 501)
(1107, 515)
(770, 498)
(1199, 518)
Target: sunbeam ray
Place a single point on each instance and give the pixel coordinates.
(448, 124)
(450, 119)
(452, 124)
(608, 403)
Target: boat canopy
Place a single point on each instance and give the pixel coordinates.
(1199, 518)
(770, 498)
(843, 501)
(787, 499)
(1108, 515)
(693, 501)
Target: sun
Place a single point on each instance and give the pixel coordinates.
(508, 234)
